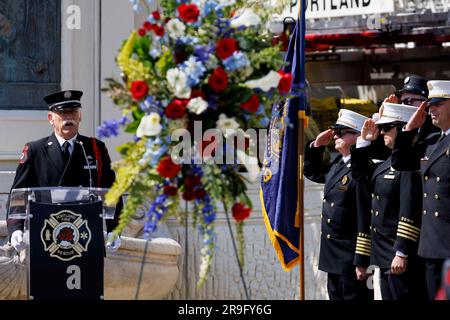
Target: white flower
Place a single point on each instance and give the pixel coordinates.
(227, 125)
(150, 125)
(176, 124)
(227, 3)
(245, 17)
(265, 83)
(178, 83)
(212, 62)
(197, 105)
(250, 163)
(175, 28)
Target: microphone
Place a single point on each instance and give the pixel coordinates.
(91, 193)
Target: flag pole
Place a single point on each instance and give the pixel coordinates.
(301, 137)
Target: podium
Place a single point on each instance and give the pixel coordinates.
(65, 253)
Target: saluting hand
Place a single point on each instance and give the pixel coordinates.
(418, 118)
(324, 138)
(399, 265)
(369, 131)
(391, 99)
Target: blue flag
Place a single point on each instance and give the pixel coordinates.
(279, 181)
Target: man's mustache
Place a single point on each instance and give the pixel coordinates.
(69, 123)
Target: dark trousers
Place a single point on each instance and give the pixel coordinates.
(433, 276)
(347, 287)
(409, 285)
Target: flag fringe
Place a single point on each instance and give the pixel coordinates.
(273, 234)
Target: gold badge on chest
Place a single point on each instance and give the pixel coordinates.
(344, 180)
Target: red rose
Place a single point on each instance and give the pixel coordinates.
(195, 93)
(284, 86)
(167, 169)
(200, 194)
(139, 89)
(225, 47)
(212, 146)
(188, 195)
(251, 104)
(170, 190)
(159, 31)
(176, 109)
(218, 81)
(142, 32)
(240, 211)
(148, 25)
(191, 181)
(156, 15)
(188, 12)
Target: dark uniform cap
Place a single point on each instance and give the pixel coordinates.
(414, 84)
(68, 99)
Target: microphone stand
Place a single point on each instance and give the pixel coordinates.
(91, 193)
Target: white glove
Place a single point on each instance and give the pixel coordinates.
(17, 241)
(112, 242)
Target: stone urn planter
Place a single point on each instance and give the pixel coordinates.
(160, 269)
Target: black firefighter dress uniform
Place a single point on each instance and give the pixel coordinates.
(395, 208)
(42, 165)
(338, 255)
(432, 157)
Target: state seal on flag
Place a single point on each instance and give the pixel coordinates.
(65, 235)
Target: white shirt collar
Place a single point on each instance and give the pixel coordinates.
(61, 140)
(345, 159)
(446, 132)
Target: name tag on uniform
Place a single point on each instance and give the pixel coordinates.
(389, 176)
(90, 167)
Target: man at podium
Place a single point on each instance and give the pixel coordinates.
(65, 158)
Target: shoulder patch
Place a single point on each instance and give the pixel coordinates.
(24, 156)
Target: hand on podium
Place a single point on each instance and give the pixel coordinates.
(112, 242)
(17, 241)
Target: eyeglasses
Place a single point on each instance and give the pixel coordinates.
(412, 101)
(386, 127)
(342, 132)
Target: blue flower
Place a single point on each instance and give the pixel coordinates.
(202, 52)
(237, 60)
(110, 128)
(194, 70)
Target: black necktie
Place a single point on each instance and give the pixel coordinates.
(442, 137)
(66, 153)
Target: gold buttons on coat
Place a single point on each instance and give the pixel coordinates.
(438, 179)
(436, 196)
(329, 220)
(332, 204)
(377, 213)
(328, 236)
(425, 178)
(425, 195)
(424, 212)
(436, 214)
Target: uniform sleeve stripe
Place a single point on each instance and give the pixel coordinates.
(359, 244)
(363, 249)
(409, 226)
(399, 234)
(362, 253)
(363, 240)
(402, 227)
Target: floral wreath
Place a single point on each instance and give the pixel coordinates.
(212, 61)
